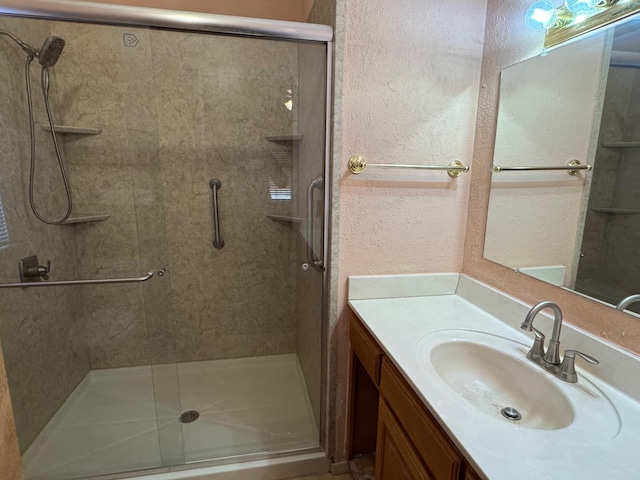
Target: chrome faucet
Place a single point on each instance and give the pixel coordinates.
(550, 360)
(625, 302)
(553, 354)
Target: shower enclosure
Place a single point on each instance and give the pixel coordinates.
(608, 269)
(196, 153)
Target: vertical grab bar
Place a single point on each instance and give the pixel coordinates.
(215, 185)
(316, 263)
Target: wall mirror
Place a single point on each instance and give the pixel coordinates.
(574, 227)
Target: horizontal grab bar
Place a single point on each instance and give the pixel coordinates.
(357, 164)
(573, 167)
(77, 282)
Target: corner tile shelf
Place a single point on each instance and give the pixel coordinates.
(86, 219)
(618, 211)
(68, 130)
(284, 218)
(621, 145)
(283, 138)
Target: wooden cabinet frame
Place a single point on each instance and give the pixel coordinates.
(388, 417)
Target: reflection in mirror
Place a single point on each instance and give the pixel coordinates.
(582, 231)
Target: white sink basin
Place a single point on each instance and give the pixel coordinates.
(491, 381)
(491, 373)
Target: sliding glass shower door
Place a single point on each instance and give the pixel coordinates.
(197, 170)
(241, 123)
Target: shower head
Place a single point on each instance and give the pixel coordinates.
(50, 52)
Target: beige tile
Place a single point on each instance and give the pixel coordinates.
(42, 331)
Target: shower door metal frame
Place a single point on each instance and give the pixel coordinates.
(112, 14)
(145, 17)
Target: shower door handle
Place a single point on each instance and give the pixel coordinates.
(215, 185)
(316, 184)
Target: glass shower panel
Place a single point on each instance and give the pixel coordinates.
(91, 368)
(310, 195)
(236, 122)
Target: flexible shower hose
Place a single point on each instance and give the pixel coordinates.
(32, 167)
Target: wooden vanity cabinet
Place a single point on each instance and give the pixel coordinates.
(432, 444)
(409, 443)
(396, 459)
(366, 362)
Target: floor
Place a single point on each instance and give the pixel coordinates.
(363, 467)
(109, 423)
(326, 476)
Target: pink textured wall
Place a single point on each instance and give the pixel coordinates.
(305, 9)
(410, 87)
(507, 41)
(292, 10)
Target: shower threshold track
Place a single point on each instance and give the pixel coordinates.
(109, 425)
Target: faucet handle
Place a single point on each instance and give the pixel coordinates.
(567, 370)
(45, 271)
(537, 350)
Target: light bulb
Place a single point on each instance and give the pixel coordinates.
(541, 15)
(581, 6)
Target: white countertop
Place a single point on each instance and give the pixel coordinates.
(596, 448)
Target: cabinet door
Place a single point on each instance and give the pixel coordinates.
(432, 444)
(396, 459)
(471, 475)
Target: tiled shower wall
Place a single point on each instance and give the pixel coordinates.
(109, 87)
(192, 107)
(42, 330)
(217, 98)
(175, 111)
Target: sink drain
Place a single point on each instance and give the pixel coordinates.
(189, 417)
(511, 414)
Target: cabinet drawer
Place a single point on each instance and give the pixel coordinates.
(366, 348)
(442, 459)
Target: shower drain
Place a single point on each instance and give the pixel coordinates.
(189, 417)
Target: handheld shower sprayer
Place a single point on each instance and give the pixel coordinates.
(47, 56)
(50, 52)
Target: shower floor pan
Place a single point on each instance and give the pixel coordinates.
(109, 424)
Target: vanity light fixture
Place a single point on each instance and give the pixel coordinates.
(541, 15)
(572, 18)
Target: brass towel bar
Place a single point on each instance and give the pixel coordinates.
(572, 168)
(357, 164)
